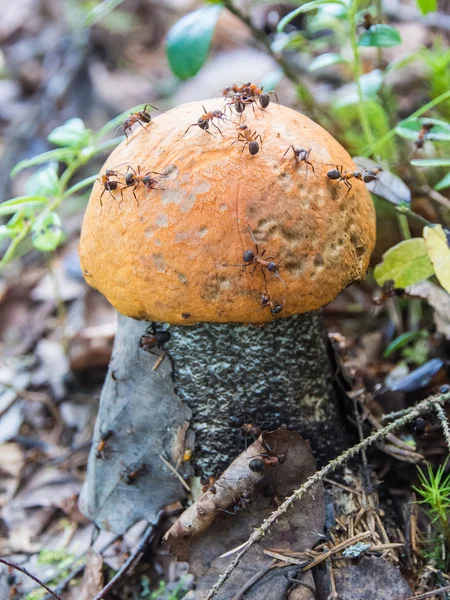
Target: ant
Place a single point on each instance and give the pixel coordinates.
(135, 179)
(249, 138)
(251, 258)
(102, 444)
(275, 307)
(339, 174)
(246, 427)
(388, 290)
(154, 337)
(301, 155)
(141, 116)
(426, 128)
(132, 475)
(109, 185)
(368, 21)
(207, 118)
(242, 504)
(247, 93)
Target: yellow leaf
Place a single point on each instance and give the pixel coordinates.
(438, 250)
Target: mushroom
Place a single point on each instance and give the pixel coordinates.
(231, 253)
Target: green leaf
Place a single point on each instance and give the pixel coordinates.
(444, 183)
(326, 60)
(431, 162)
(73, 134)
(65, 155)
(380, 36)
(11, 206)
(409, 129)
(305, 8)
(402, 340)
(427, 6)
(188, 41)
(100, 11)
(47, 232)
(406, 263)
(80, 185)
(44, 182)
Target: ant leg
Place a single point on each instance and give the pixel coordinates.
(193, 125)
(349, 185)
(216, 128)
(143, 126)
(312, 166)
(254, 240)
(243, 148)
(145, 107)
(134, 194)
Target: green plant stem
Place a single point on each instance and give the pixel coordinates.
(14, 244)
(375, 147)
(365, 124)
(406, 211)
(265, 40)
(408, 416)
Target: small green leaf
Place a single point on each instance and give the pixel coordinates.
(427, 6)
(11, 206)
(380, 36)
(431, 162)
(73, 134)
(80, 185)
(443, 184)
(406, 263)
(402, 340)
(409, 129)
(305, 8)
(64, 155)
(47, 232)
(188, 41)
(325, 60)
(44, 182)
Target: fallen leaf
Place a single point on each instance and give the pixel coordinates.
(438, 299)
(437, 245)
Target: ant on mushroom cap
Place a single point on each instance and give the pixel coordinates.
(250, 139)
(207, 118)
(301, 155)
(109, 185)
(141, 116)
(135, 179)
(339, 175)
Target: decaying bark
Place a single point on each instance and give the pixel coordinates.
(227, 382)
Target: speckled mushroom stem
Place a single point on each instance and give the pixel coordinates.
(271, 376)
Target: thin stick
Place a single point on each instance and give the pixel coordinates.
(28, 574)
(444, 422)
(254, 579)
(338, 548)
(175, 472)
(132, 559)
(438, 592)
(259, 533)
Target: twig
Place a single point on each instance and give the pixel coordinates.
(256, 577)
(28, 574)
(259, 533)
(405, 210)
(444, 422)
(132, 559)
(438, 592)
(365, 463)
(175, 472)
(338, 548)
(284, 64)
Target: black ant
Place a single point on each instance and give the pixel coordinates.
(265, 262)
(207, 118)
(109, 185)
(132, 474)
(247, 93)
(154, 337)
(141, 116)
(421, 137)
(250, 139)
(368, 21)
(135, 179)
(301, 155)
(245, 499)
(275, 307)
(102, 444)
(339, 174)
(246, 427)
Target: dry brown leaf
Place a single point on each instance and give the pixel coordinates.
(438, 299)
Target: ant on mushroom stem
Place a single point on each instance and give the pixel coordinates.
(141, 116)
(104, 437)
(301, 155)
(135, 179)
(250, 139)
(207, 118)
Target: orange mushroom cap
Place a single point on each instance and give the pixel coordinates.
(174, 254)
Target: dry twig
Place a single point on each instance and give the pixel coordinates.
(377, 436)
(444, 422)
(438, 592)
(28, 574)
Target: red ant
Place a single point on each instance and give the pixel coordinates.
(109, 185)
(426, 128)
(301, 155)
(388, 290)
(136, 179)
(207, 118)
(275, 307)
(246, 94)
(249, 138)
(368, 21)
(132, 475)
(154, 337)
(102, 444)
(339, 174)
(255, 258)
(141, 116)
